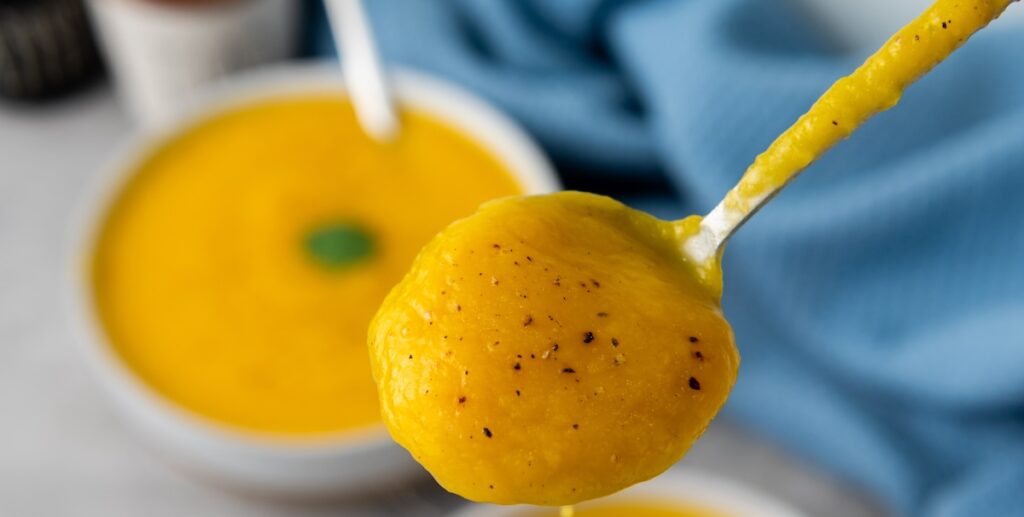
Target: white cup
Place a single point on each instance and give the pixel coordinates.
(685, 487)
(160, 53)
(342, 465)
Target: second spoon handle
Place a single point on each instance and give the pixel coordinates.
(361, 65)
(875, 86)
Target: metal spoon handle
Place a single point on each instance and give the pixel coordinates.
(875, 86)
(364, 75)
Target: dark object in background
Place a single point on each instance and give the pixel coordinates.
(46, 48)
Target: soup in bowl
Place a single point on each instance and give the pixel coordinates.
(231, 263)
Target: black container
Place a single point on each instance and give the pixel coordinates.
(46, 48)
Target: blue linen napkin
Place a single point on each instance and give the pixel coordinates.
(879, 301)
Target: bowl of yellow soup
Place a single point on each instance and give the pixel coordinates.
(680, 492)
(226, 267)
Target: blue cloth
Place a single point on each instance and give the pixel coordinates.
(879, 301)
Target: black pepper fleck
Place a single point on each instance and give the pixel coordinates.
(693, 339)
(517, 366)
(588, 337)
(615, 342)
(595, 282)
(518, 394)
(835, 123)
(462, 400)
(568, 370)
(575, 426)
(694, 384)
(602, 315)
(698, 356)
(487, 432)
(943, 25)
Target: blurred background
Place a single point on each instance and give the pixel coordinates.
(877, 303)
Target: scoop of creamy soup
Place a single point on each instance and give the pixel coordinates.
(552, 349)
(238, 269)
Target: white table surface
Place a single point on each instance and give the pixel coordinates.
(64, 452)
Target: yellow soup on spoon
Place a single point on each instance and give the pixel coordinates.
(237, 271)
(551, 349)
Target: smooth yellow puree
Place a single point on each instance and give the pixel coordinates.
(237, 272)
(549, 350)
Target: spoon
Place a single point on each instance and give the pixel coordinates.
(874, 87)
(559, 345)
(361, 66)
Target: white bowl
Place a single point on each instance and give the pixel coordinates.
(690, 488)
(339, 465)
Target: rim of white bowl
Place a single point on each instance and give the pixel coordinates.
(472, 116)
(689, 486)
